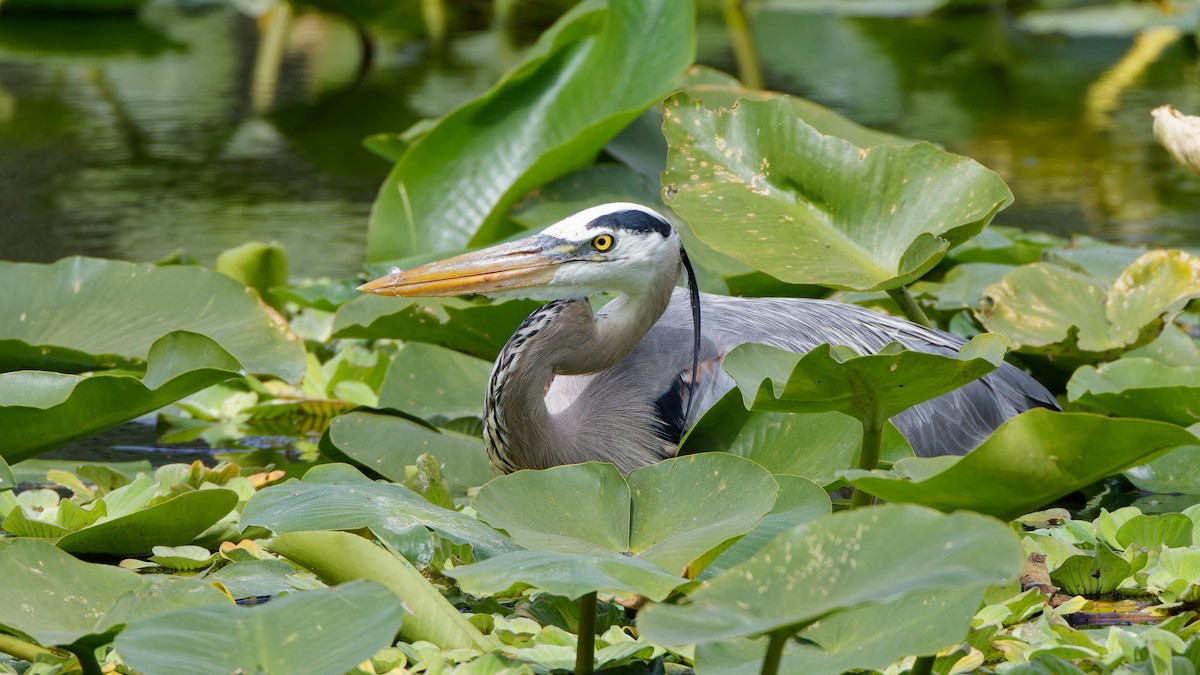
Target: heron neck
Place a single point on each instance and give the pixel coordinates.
(562, 338)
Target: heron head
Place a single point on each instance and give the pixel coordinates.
(618, 247)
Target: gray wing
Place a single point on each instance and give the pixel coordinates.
(951, 424)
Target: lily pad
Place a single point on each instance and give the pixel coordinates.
(430, 381)
(1139, 387)
(815, 446)
(962, 287)
(437, 197)
(338, 497)
(868, 637)
(666, 513)
(321, 631)
(1177, 471)
(1094, 574)
(595, 530)
(174, 522)
(41, 410)
(476, 327)
(1173, 530)
(387, 444)
(1029, 461)
(8, 480)
(836, 563)
(797, 199)
(339, 557)
(85, 314)
(868, 388)
(92, 599)
(1048, 309)
(252, 578)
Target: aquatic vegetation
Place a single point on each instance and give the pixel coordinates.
(389, 546)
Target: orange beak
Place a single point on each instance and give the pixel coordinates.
(520, 264)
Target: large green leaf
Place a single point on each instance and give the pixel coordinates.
(1175, 471)
(55, 599)
(1048, 309)
(8, 481)
(1029, 461)
(322, 631)
(1139, 387)
(479, 328)
(41, 410)
(387, 444)
(457, 183)
(430, 381)
(815, 446)
(866, 637)
(338, 557)
(759, 184)
(594, 529)
(83, 314)
(338, 497)
(174, 522)
(838, 378)
(800, 500)
(840, 562)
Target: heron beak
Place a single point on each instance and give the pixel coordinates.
(520, 264)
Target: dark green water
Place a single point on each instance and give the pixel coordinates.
(179, 129)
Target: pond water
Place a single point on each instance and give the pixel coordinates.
(183, 129)
(188, 128)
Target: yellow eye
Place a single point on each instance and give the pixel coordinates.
(603, 242)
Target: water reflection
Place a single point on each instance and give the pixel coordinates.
(183, 128)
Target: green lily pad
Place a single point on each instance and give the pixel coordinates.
(1177, 471)
(815, 446)
(1093, 257)
(1093, 574)
(92, 599)
(1003, 245)
(838, 378)
(1173, 346)
(869, 637)
(42, 410)
(322, 631)
(667, 513)
(174, 522)
(339, 557)
(253, 578)
(800, 500)
(595, 530)
(338, 497)
(962, 287)
(387, 444)
(436, 196)
(1048, 309)
(571, 575)
(1139, 387)
(1173, 530)
(798, 196)
(1027, 462)
(836, 563)
(84, 314)
(430, 381)
(476, 327)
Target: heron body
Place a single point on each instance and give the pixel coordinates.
(622, 385)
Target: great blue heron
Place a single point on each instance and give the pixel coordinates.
(623, 385)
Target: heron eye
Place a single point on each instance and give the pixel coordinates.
(603, 242)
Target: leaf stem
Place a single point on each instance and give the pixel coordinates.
(909, 306)
(585, 650)
(741, 40)
(775, 647)
(923, 665)
(87, 661)
(26, 651)
(868, 456)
